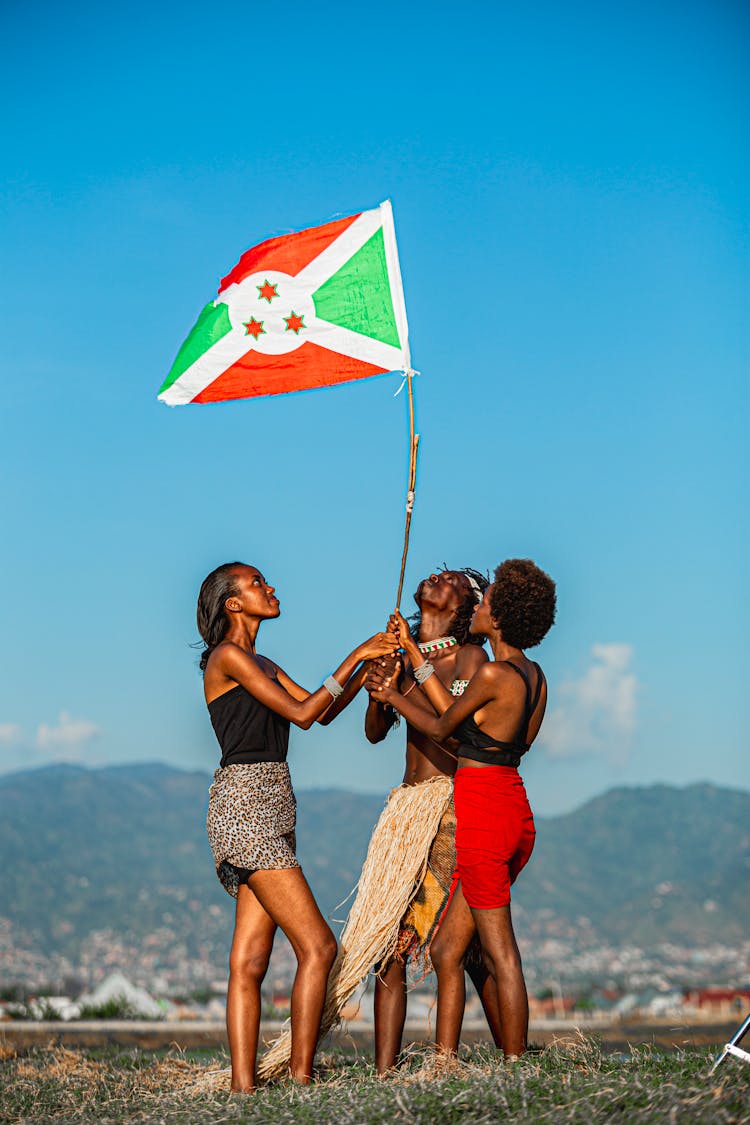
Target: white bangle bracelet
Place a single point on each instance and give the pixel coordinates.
(333, 686)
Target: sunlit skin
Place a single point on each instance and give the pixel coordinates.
(438, 597)
(277, 897)
(496, 698)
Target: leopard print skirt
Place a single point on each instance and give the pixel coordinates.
(252, 813)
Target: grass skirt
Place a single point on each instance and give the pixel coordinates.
(428, 905)
(395, 867)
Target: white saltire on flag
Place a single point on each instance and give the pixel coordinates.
(311, 309)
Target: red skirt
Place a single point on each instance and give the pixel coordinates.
(494, 833)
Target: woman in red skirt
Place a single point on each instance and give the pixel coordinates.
(494, 722)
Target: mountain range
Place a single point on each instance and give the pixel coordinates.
(124, 849)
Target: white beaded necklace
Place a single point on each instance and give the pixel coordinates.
(426, 647)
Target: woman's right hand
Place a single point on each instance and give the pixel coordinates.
(382, 644)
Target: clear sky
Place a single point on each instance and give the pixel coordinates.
(570, 189)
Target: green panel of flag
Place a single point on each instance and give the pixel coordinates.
(211, 325)
(358, 296)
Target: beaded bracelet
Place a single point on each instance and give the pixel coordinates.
(423, 672)
(333, 686)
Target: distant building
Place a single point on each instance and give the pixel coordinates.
(117, 987)
(551, 1007)
(729, 1002)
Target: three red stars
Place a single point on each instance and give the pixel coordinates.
(294, 323)
(254, 328)
(267, 291)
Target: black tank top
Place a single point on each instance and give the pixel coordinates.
(481, 747)
(247, 730)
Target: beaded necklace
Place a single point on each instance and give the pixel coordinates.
(439, 645)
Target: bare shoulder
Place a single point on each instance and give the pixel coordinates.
(495, 672)
(469, 660)
(228, 656)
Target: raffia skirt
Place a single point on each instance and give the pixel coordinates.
(426, 909)
(252, 814)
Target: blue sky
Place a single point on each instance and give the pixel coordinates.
(570, 188)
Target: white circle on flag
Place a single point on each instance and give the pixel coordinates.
(272, 310)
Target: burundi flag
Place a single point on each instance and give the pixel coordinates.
(311, 309)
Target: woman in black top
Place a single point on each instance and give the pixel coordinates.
(494, 721)
(251, 815)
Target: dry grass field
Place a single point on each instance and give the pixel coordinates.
(568, 1082)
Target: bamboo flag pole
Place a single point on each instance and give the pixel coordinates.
(411, 489)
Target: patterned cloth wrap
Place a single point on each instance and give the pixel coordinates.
(426, 909)
(252, 813)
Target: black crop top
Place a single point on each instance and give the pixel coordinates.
(247, 730)
(481, 747)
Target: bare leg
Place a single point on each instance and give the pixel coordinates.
(447, 954)
(288, 899)
(485, 986)
(504, 964)
(253, 936)
(390, 1014)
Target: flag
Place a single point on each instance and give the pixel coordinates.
(311, 309)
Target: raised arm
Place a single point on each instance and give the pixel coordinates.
(480, 691)
(351, 688)
(379, 717)
(286, 698)
(468, 662)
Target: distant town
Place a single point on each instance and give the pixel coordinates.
(155, 978)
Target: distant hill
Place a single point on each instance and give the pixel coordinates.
(647, 864)
(125, 849)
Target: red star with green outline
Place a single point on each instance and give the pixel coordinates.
(294, 323)
(267, 291)
(254, 328)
